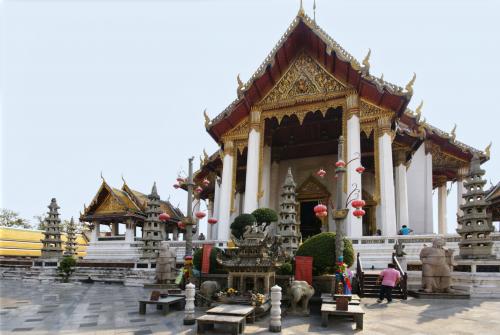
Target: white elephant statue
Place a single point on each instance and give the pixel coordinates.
(299, 293)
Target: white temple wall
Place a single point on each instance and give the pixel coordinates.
(419, 178)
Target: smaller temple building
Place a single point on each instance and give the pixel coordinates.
(118, 221)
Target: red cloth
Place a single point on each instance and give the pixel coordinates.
(205, 260)
(303, 268)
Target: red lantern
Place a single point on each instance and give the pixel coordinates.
(181, 225)
(358, 213)
(340, 164)
(322, 214)
(164, 217)
(360, 169)
(358, 203)
(212, 221)
(206, 182)
(320, 208)
(200, 214)
(199, 189)
(321, 173)
(176, 186)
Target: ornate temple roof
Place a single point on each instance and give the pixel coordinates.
(110, 202)
(304, 34)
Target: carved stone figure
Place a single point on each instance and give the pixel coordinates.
(165, 265)
(299, 293)
(437, 264)
(209, 288)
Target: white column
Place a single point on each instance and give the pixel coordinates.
(226, 191)
(94, 236)
(252, 172)
(210, 214)
(387, 206)
(442, 195)
(215, 227)
(401, 190)
(354, 226)
(273, 195)
(196, 208)
(462, 172)
(130, 231)
(266, 177)
(275, 324)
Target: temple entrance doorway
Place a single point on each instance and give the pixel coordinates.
(369, 219)
(309, 224)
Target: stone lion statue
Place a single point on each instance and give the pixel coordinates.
(299, 293)
(437, 264)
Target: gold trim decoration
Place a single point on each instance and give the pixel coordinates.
(370, 112)
(255, 119)
(238, 132)
(207, 118)
(352, 104)
(384, 126)
(441, 180)
(409, 86)
(487, 150)
(228, 147)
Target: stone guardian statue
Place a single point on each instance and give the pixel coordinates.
(437, 264)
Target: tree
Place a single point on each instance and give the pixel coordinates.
(266, 215)
(240, 222)
(66, 268)
(10, 218)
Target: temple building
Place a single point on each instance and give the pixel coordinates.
(119, 219)
(291, 112)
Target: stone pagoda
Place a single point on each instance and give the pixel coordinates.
(288, 227)
(52, 243)
(152, 232)
(70, 248)
(475, 223)
(252, 264)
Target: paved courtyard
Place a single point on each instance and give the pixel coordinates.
(32, 308)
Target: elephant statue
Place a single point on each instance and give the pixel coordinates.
(299, 293)
(208, 289)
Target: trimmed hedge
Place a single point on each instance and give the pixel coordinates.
(214, 266)
(240, 222)
(322, 248)
(266, 215)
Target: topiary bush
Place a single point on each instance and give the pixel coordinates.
(285, 269)
(240, 222)
(322, 248)
(66, 268)
(266, 215)
(214, 266)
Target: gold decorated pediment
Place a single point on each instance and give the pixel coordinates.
(312, 188)
(238, 132)
(110, 205)
(304, 78)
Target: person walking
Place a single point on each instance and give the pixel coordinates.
(388, 278)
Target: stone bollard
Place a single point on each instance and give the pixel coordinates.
(275, 325)
(189, 309)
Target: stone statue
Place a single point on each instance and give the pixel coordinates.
(299, 293)
(165, 265)
(207, 290)
(437, 264)
(398, 248)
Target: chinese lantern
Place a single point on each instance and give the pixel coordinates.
(320, 208)
(322, 214)
(200, 214)
(321, 173)
(181, 225)
(212, 221)
(176, 186)
(340, 164)
(164, 217)
(358, 203)
(360, 169)
(358, 213)
(206, 182)
(199, 189)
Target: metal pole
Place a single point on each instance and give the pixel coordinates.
(339, 203)
(189, 223)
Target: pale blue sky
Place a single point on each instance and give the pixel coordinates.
(120, 86)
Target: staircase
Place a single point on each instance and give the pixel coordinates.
(367, 281)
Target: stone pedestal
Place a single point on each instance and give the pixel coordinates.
(189, 309)
(275, 325)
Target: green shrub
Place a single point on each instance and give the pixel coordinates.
(66, 267)
(266, 215)
(322, 248)
(240, 222)
(285, 269)
(214, 266)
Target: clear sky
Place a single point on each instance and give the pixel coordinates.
(120, 86)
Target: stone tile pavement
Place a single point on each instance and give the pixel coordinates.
(33, 308)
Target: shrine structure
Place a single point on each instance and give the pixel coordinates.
(307, 93)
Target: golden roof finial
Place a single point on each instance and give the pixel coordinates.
(102, 177)
(205, 156)
(487, 150)
(123, 179)
(207, 119)
(453, 133)
(366, 61)
(301, 10)
(382, 77)
(409, 86)
(240, 83)
(418, 111)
